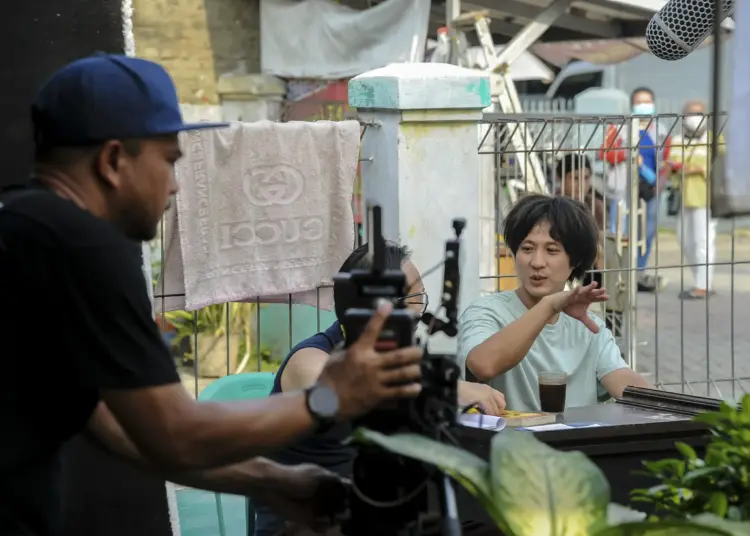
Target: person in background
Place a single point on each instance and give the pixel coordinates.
(688, 161)
(651, 174)
(573, 174)
(508, 338)
(305, 362)
(574, 180)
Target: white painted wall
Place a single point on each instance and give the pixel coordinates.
(425, 166)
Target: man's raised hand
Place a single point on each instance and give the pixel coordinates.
(575, 303)
(363, 377)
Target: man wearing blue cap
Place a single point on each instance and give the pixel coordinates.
(105, 131)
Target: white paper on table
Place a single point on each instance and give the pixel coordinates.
(547, 427)
(485, 422)
(558, 426)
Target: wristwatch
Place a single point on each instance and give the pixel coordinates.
(323, 405)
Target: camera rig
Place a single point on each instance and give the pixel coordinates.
(394, 495)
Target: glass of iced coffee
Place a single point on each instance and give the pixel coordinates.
(552, 387)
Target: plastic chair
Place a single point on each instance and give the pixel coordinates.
(238, 387)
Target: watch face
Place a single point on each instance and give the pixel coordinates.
(324, 402)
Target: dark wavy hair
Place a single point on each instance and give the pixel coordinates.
(395, 256)
(642, 89)
(571, 162)
(570, 223)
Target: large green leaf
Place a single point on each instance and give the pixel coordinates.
(734, 528)
(544, 492)
(471, 471)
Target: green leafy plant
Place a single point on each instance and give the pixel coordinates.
(217, 322)
(719, 483)
(701, 525)
(531, 489)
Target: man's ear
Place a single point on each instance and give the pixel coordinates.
(108, 163)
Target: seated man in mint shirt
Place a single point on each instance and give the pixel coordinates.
(508, 338)
(305, 362)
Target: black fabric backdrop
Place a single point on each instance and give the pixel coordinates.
(102, 496)
(38, 37)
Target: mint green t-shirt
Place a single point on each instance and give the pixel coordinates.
(565, 346)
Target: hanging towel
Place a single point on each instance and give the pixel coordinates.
(264, 211)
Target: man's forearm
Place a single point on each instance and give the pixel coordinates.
(252, 477)
(506, 348)
(616, 382)
(255, 477)
(274, 422)
(211, 434)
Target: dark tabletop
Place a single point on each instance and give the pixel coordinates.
(614, 414)
(622, 429)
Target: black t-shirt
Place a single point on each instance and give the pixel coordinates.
(76, 318)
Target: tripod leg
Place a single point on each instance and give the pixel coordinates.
(451, 523)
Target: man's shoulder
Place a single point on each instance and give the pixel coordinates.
(501, 306)
(325, 341)
(497, 302)
(48, 217)
(333, 333)
(55, 235)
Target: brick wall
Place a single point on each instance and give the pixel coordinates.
(197, 40)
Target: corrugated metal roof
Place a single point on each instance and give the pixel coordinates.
(607, 19)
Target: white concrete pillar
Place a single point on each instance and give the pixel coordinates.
(424, 170)
(251, 97)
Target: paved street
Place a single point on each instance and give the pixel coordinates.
(706, 339)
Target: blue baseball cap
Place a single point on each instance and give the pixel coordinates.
(105, 97)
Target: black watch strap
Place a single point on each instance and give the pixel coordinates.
(323, 405)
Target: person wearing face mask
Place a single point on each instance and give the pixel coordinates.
(690, 184)
(653, 152)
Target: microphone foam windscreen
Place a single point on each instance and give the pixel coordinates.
(681, 26)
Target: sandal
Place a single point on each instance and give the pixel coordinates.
(694, 295)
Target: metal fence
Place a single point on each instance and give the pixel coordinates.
(677, 339)
(230, 338)
(561, 106)
(689, 345)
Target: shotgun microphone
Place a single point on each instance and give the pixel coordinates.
(680, 27)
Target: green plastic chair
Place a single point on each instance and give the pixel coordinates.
(238, 387)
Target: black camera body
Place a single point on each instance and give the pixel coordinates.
(392, 494)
